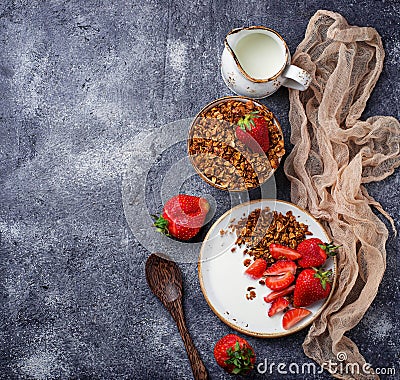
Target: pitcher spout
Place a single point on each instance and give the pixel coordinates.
(232, 38)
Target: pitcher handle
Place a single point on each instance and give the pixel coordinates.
(296, 78)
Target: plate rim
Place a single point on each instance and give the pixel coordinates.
(241, 329)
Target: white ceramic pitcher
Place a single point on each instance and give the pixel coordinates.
(256, 62)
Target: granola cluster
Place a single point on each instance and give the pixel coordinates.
(263, 227)
(221, 158)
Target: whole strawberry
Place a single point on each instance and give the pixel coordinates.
(182, 216)
(314, 252)
(234, 354)
(311, 285)
(252, 130)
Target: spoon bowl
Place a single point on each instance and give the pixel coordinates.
(165, 281)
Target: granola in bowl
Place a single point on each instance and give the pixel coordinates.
(220, 157)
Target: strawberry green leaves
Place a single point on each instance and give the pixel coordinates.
(240, 358)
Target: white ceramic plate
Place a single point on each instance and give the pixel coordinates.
(224, 284)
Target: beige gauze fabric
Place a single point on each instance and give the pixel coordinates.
(334, 155)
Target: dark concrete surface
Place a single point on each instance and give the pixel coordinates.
(78, 82)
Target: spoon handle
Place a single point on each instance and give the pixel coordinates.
(198, 367)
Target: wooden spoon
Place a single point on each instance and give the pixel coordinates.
(165, 281)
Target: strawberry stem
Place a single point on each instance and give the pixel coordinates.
(330, 248)
(324, 277)
(161, 224)
(240, 357)
(247, 121)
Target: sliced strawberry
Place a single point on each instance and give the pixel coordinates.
(279, 282)
(279, 251)
(256, 269)
(280, 293)
(278, 305)
(281, 267)
(293, 316)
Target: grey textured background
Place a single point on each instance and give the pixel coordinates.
(78, 81)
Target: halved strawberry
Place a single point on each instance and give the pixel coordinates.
(279, 282)
(182, 217)
(293, 316)
(279, 293)
(256, 269)
(281, 267)
(278, 305)
(279, 251)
